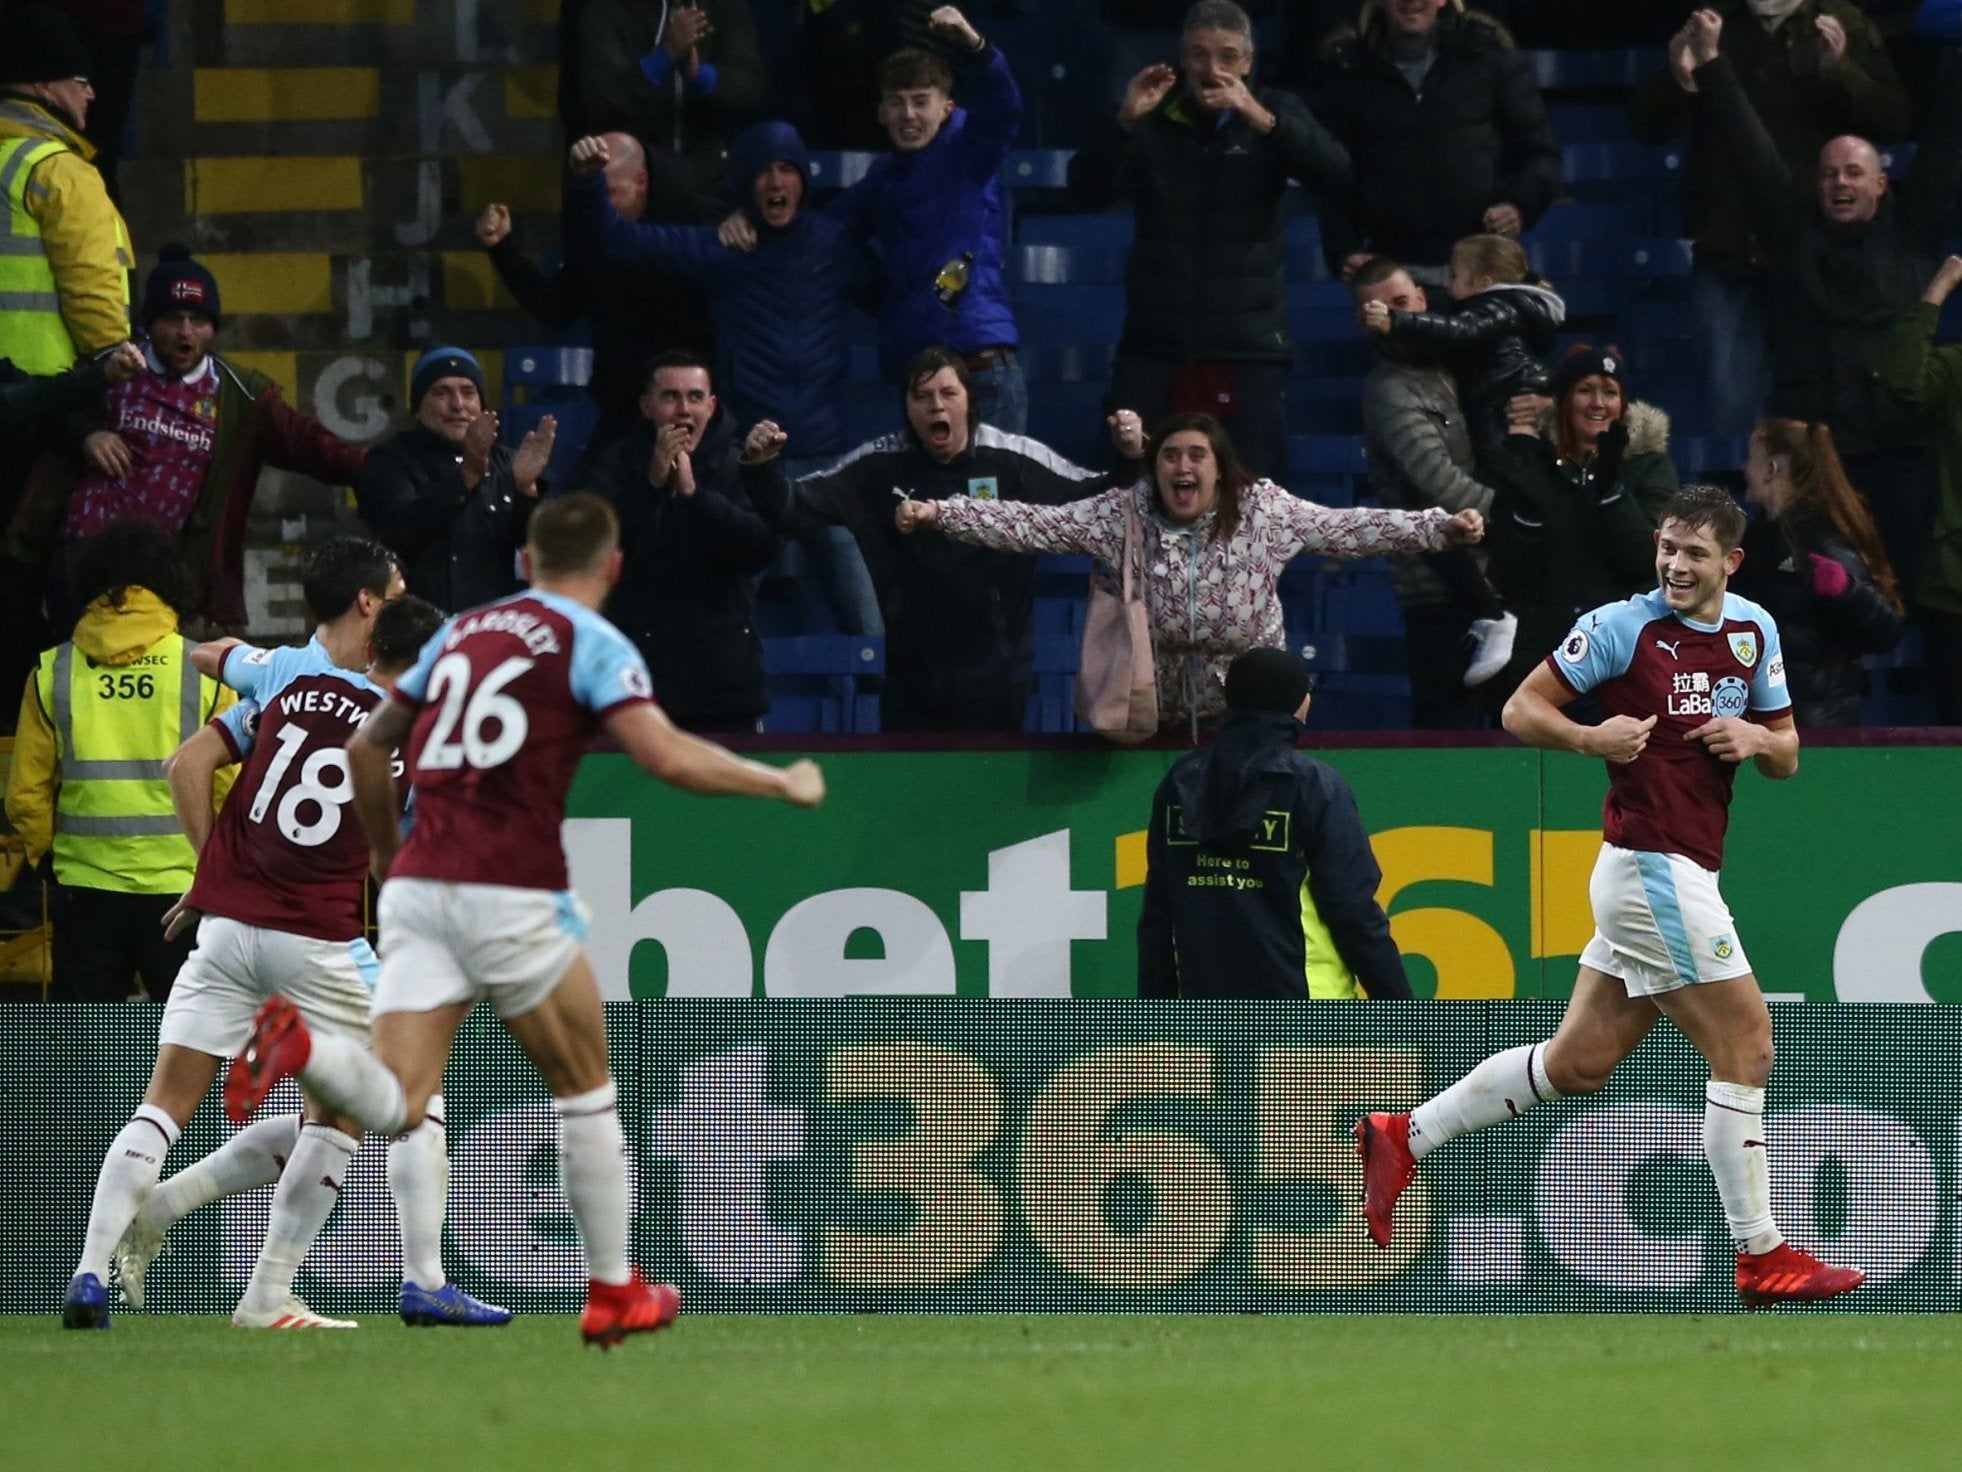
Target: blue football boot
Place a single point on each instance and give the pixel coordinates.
(86, 1304)
(449, 1305)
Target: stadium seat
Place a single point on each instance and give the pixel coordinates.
(1108, 230)
(1610, 256)
(1038, 168)
(1619, 164)
(544, 367)
(839, 170)
(1577, 71)
(1063, 265)
(815, 683)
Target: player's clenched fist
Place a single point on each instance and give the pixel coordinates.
(803, 784)
(1621, 738)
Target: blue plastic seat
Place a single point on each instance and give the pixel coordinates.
(546, 366)
(1619, 164)
(1575, 71)
(814, 682)
(1108, 230)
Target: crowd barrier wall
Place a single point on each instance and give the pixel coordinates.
(964, 1155)
(1018, 873)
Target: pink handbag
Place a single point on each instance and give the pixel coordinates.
(1116, 676)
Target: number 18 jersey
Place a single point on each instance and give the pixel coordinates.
(509, 697)
(285, 852)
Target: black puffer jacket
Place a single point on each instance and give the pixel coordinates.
(1566, 538)
(1428, 165)
(683, 596)
(1823, 638)
(458, 544)
(1260, 881)
(1494, 342)
(1207, 277)
(1837, 290)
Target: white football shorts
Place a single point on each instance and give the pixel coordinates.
(236, 967)
(1660, 923)
(444, 942)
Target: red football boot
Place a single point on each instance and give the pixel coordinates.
(615, 1310)
(1787, 1275)
(278, 1049)
(1383, 1143)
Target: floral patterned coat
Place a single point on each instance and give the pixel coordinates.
(1210, 597)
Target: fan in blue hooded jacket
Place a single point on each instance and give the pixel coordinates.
(782, 311)
(1260, 881)
(931, 210)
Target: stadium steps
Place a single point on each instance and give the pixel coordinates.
(326, 159)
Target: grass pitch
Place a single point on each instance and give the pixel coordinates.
(1777, 1392)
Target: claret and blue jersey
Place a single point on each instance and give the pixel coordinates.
(285, 853)
(1642, 659)
(508, 697)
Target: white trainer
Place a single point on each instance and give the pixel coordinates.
(142, 1245)
(1491, 647)
(291, 1314)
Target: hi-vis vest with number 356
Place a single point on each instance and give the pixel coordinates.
(114, 826)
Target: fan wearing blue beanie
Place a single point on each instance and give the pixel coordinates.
(444, 495)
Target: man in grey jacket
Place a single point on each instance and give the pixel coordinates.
(1420, 454)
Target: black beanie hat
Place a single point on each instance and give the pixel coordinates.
(39, 43)
(440, 363)
(1267, 679)
(1586, 363)
(179, 284)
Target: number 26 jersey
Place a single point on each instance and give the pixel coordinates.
(507, 699)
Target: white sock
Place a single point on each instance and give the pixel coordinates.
(129, 1173)
(1503, 1086)
(419, 1180)
(308, 1189)
(253, 1157)
(1734, 1144)
(350, 1080)
(593, 1166)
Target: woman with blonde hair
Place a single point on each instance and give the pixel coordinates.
(1215, 542)
(1815, 563)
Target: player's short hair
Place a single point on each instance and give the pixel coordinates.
(1700, 506)
(340, 569)
(1494, 257)
(912, 69)
(1374, 272)
(132, 554)
(403, 626)
(674, 358)
(571, 534)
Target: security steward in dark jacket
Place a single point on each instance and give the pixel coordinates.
(1444, 127)
(1208, 159)
(958, 643)
(1260, 881)
(1845, 265)
(444, 496)
(690, 542)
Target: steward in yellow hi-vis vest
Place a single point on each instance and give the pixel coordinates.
(1260, 881)
(99, 716)
(65, 256)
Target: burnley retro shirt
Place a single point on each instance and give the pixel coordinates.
(507, 699)
(1644, 660)
(285, 852)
